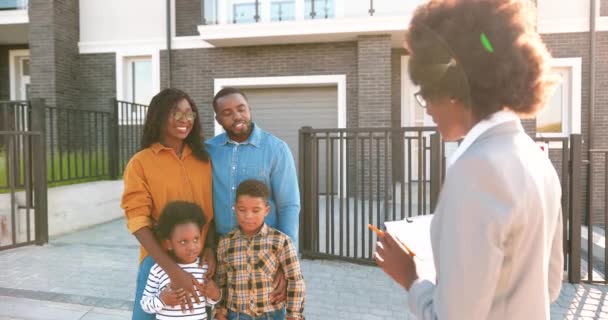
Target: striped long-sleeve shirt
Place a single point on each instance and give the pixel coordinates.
(158, 280)
(247, 267)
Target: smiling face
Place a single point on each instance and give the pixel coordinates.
(233, 114)
(178, 127)
(250, 213)
(185, 242)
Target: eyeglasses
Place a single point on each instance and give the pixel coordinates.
(420, 99)
(178, 116)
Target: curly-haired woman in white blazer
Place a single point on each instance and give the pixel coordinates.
(497, 229)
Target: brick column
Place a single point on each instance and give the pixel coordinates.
(374, 80)
(54, 65)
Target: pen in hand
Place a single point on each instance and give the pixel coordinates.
(381, 234)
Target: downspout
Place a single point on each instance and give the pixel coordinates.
(591, 124)
(592, 63)
(169, 43)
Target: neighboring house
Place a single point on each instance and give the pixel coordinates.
(321, 63)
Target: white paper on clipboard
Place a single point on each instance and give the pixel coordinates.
(417, 236)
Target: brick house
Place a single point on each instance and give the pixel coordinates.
(322, 63)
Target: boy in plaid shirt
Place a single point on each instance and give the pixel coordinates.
(248, 259)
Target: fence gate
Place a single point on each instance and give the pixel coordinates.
(23, 180)
(354, 177)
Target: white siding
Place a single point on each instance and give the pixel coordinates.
(120, 20)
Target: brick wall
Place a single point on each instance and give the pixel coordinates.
(187, 17)
(5, 92)
(97, 81)
(374, 80)
(193, 70)
(42, 50)
(570, 45)
(599, 184)
(396, 55)
(53, 36)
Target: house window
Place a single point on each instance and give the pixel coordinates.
(13, 4)
(138, 87)
(209, 12)
(323, 9)
(562, 113)
(282, 10)
(554, 119)
(19, 74)
(244, 12)
(139, 82)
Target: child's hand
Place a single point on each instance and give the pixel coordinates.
(291, 318)
(170, 297)
(211, 290)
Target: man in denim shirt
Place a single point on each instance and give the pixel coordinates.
(244, 151)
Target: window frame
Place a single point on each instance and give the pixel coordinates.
(571, 117)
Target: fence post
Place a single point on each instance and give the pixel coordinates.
(304, 163)
(38, 124)
(113, 145)
(574, 192)
(436, 169)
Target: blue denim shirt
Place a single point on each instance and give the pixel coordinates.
(263, 157)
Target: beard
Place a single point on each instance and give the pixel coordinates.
(244, 131)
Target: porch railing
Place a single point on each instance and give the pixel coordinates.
(254, 11)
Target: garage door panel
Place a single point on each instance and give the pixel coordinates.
(283, 111)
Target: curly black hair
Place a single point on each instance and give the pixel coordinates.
(226, 92)
(156, 119)
(496, 58)
(253, 188)
(176, 213)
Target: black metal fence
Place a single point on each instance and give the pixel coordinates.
(22, 174)
(565, 154)
(596, 218)
(81, 145)
(354, 177)
(129, 126)
(77, 144)
(42, 145)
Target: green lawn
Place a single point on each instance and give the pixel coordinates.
(76, 166)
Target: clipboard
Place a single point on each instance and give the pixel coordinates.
(416, 234)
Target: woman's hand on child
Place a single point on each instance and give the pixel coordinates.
(188, 283)
(279, 288)
(171, 297)
(211, 290)
(208, 257)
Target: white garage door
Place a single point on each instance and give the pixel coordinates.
(283, 111)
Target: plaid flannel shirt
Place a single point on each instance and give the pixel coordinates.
(246, 270)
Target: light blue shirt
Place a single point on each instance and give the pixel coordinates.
(262, 157)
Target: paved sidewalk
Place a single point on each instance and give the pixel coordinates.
(90, 274)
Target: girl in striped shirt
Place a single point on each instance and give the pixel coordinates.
(179, 229)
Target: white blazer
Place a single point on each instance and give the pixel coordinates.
(496, 233)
